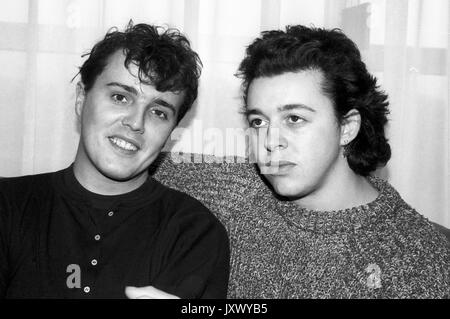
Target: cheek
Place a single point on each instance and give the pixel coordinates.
(90, 115)
(88, 121)
(329, 138)
(87, 124)
(316, 144)
(91, 126)
(157, 134)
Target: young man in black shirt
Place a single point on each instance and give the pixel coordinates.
(103, 225)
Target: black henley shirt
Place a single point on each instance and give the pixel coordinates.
(58, 240)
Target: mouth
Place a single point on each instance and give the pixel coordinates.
(276, 167)
(124, 144)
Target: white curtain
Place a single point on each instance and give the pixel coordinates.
(405, 43)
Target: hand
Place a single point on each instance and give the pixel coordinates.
(148, 292)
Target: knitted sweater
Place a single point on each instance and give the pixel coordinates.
(381, 250)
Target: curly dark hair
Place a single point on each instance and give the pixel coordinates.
(346, 82)
(163, 55)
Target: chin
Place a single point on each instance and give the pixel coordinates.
(117, 174)
(288, 192)
(118, 177)
(287, 187)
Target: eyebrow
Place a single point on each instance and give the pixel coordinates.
(247, 112)
(127, 88)
(282, 108)
(166, 104)
(289, 107)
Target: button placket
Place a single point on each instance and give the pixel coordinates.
(94, 261)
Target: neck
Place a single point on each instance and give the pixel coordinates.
(342, 189)
(96, 182)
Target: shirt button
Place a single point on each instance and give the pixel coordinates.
(110, 213)
(94, 262)
(87, 289)
(97, 237)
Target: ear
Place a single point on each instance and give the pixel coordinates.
(350, 126)
(79, 100)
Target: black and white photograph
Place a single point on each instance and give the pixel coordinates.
(243, 151)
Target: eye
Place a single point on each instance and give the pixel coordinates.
(159, 114)
(257, 123)
(119, 98)
(295, 119)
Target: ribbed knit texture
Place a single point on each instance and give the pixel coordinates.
(384, 249)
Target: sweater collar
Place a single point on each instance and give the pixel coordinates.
(344, 220)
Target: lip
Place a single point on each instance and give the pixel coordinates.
(277, 167)
(126, 139)
(279, 163)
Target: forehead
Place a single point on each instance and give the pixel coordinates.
(115, 68)
(303, 87)
(116, 71)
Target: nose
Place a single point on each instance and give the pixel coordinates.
(135, 120)
(274, 140)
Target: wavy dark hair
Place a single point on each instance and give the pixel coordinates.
(163, 55)
(346, 82)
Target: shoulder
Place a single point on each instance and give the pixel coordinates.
(402, 219)
(418, 253)
(418, 229)
(20, 198)
(179, 200)
(230, 187)
(184, 210)
(16, 188)
(405, 222)
(443, 230)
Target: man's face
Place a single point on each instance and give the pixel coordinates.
(296, 136)
(124, 123)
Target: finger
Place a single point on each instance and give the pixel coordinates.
(135, 293)
(155, 293)
(159, 294)
(148, 292)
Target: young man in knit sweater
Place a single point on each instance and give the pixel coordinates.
(317, 119)
(103, 228)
